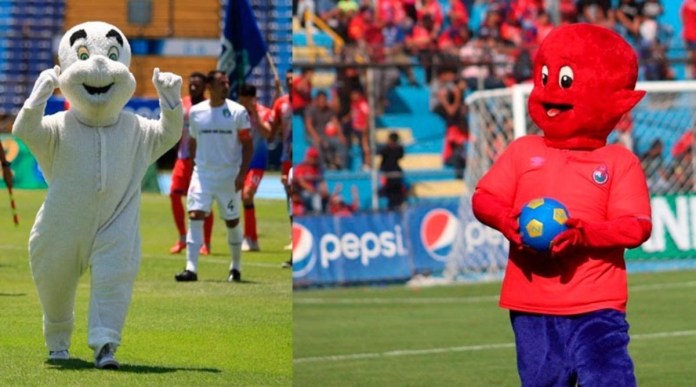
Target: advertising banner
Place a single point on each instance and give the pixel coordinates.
(27, 174)
(424, 238)
(674, 229)
(384, 246)
(432, 232)
(359, 248)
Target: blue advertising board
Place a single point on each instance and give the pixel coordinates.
(337, 250)
(384, 246)
(432, 232)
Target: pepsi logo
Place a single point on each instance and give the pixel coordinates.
(438, 232)
(303, 259)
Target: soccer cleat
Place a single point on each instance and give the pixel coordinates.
(235, 276)
(186, 276)
(205, 250)
(105, 360)
(59, 355)
(288, 246)
(178, 247)
(250, 245)
(287, 264)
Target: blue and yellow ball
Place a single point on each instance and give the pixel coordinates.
(541, 220)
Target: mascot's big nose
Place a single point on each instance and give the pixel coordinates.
(101, 63)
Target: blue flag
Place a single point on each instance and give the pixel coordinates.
(243, 46)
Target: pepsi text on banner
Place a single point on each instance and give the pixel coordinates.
(363, 247)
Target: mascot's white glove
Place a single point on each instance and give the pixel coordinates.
(168, 87)
(44, 86)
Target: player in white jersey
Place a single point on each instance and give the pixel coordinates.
(221, 146)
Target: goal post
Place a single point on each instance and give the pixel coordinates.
(659, 130)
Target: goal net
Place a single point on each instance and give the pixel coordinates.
(659, 130)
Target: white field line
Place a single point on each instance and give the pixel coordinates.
(466, 348)
(455, 300)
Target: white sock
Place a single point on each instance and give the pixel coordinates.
(234, 239)
(194, 240)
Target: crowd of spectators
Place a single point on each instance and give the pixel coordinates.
(463, 46)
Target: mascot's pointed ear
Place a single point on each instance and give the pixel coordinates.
(625, 100)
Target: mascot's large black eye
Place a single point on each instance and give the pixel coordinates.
(82, 53)
(565, 77)
(113, 53)
(544, 75)
(566, 81)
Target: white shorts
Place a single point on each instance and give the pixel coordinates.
(202, 192)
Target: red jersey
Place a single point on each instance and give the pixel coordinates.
(281, 112)
(360, 115)
(599, 185)
(688, 16)
(310, 173)
(301, 98)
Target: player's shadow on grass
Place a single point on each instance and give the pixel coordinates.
(79, 364)
(240, 283)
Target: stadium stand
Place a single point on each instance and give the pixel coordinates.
(407, 110)
(26, 36)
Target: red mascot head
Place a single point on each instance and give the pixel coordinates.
(584, 80)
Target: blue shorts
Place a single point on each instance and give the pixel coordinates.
(588, 349)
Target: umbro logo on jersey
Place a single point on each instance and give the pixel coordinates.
(536, 161)
(601, 174)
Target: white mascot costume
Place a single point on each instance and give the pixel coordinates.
(93, 156)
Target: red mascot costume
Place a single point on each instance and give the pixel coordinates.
(567, 307)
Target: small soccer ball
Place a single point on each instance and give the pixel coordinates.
(540, 221)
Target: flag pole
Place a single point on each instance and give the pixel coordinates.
(276, 76)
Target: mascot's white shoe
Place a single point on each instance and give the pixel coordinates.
(105, 359)
(59, 355)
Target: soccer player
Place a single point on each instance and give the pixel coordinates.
(221, 146)
(6, 171)
(281, 119)
(183, 168)
(261, 132)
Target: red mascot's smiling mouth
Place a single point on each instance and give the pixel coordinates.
(554, 109)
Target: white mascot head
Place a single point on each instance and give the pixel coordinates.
(94, 59)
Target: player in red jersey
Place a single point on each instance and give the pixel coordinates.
(567, 308)
(261, 131)
(281, 120)
(183, 169)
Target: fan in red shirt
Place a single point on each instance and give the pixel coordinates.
(688, 17)
(360, 124)
(309, 184)
(568, 308)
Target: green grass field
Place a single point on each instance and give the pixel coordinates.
(457, 336)
(209, 333)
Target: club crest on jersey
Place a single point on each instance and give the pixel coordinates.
(226, 112)
(601, 174)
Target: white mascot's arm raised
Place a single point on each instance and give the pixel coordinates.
(167, 131)
(30, 125)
